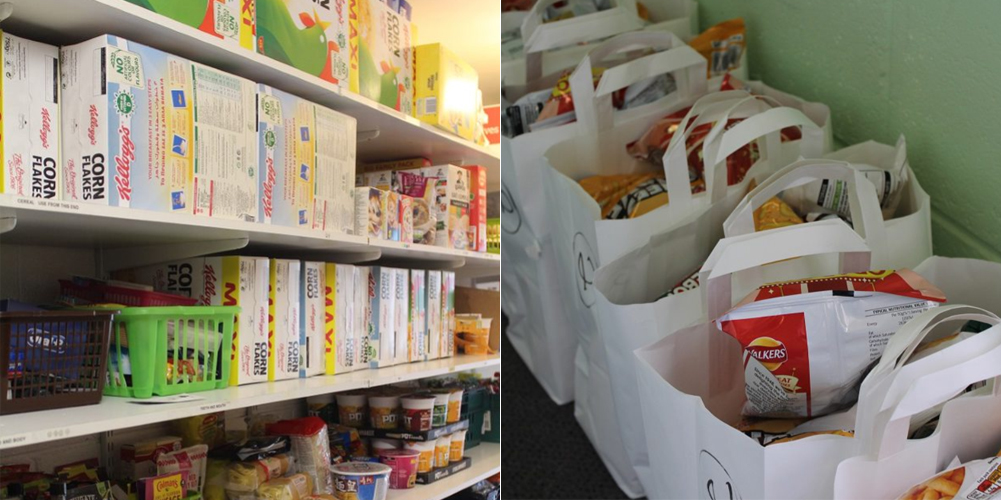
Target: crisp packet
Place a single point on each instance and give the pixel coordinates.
(976, 480)
(722, 46)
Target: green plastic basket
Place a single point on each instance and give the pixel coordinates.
(165, 351)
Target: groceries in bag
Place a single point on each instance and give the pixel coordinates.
(722, 45)
(976, 480)
(807, 343)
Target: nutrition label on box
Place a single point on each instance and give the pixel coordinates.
(335, 165)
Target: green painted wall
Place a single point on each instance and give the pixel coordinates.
(926, 68)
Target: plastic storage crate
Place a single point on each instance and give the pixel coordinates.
(100, 293)
(493, 435)
(56, 359)
(170, 350)
(474, 406)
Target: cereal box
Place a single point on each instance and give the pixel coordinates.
(381, 55)
(230, 20)
(451, 205)
(477, 234)
(313, 327)
(417, 340)
(379, 349)
(283, 316)
(393, 216)
(385, 180)
(447, 314)
(146, 129)
(341, 343)
(138, 460)
(401, 287)
(287, 158)
(406, 164)
(363, 312)
(425, 219)
(445, 90)
(434, 311)
(336, 147)
(311, 35)
(222, 281)
(370, 212)
(29, 119)
(406, 219)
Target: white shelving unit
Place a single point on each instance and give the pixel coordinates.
(120, 238)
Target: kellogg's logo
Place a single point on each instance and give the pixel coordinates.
(210, 278)
(770, 352)
(123, 163)
(94, 124)
(43, 134)
(269, 187)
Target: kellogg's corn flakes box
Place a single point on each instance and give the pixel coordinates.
(311, 35)
(283, 320)
(287, 163)
(230, 20)
(313, 320)
(336, 147)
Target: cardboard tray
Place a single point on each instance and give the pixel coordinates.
(439, 474)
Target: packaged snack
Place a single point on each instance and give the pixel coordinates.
(722, 45)
(559, 107)
(417, 412)
(808, 342)
(787, 439)
(425, 454)
(313, 325)
(439, 415)
(406, 219)
(341, 341)
(229, 20)
(767, 430)
(223, 281)
(445, 90)
(336, 149)
(243, 478)
(451, 205)
(435, 322)
(30, 123)
(294, 487)
(441, 449)
(311, 36)
(825, 197)
(139, 459)
(310, 446)
(456, 445)
(163, 487)
(145, 108)
(192, 461)
(384, 411)
(417, 331)
(979, 479)
(381, 64)
(283, 320)
(208, 429)
(370, 212)
(775, 213)
(392, 216)
(360, 480)
(454, 405)
(352, 409)
(215, 479)
(404, 466)
(260, 448)
(405, 164)
(379, 345)
(425, 217)
(86, 470)
(287, 147)
(477, 208)
(627, 196)
(401, 315)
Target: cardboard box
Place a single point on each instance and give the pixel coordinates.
(381, 55)
(393, 220)
(435, 322)
(484, 302)
(477, 236)
(230, 20)
(29, 119)
(287, 148)
(383, 180)
(380, 346)
(222, 281)
(425, 219)
(341, 339)
(363, 313)
(447, 314)
(283, 314)
(445, 90)
(417, 341)
(370, 212)
(401, 287)
(203, 155)
(406, 219)
(451, 205)
(336, 147)
(138, 460)
(313, 324)
(311, 35)
(405, 164)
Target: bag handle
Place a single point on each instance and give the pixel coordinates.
(885, 410)
(593, 104)
(863, 204)
(748, 251)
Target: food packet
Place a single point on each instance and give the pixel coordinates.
(626, 196)
(311, 448)
(774, 214)
(208, 429)
(795, 437)
(294, 487)
(192, 461)
(243, 478)
(559, 107)
(722, 45)
(215, 479)
(808, 342)
(568, 9)
(976, 480)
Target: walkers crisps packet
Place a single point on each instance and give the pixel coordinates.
(807, 343)
(976, 480)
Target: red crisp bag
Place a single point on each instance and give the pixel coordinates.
(807, 343)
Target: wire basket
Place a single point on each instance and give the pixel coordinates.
(56, 359)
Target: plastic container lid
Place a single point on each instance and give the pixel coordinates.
(361, 469)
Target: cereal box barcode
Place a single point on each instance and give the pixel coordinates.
(430, 105)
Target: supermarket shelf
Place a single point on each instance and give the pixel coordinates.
(131, 237)
(120, 413)
(486, 462)
(399, 135)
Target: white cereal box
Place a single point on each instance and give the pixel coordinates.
(447, 314)
(336, 146)
(146, 129)
(379, 350)
(341, 340)
(363, 312)
(434, 310)
(451, 205)
(417, 340)
(222, 281)
(401, 308)
(371, 212)
(313, 327)
(287, 158)
(29, 119)
(283, 313)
